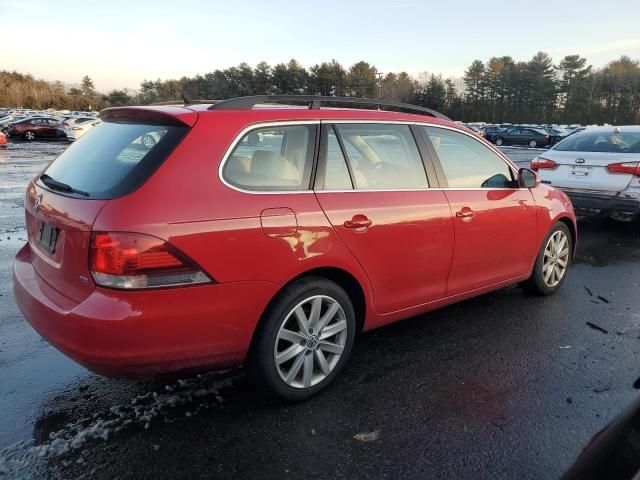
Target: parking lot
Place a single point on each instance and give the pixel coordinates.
(505, 385)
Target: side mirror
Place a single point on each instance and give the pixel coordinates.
(528, 178)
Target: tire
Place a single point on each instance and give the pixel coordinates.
(533, 143)
(538, 282)
(29, 135)
(300, 373)
(499, 141)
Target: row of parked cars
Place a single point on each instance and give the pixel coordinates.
(533, 136)
(45, 125)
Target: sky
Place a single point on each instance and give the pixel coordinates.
(120, 43)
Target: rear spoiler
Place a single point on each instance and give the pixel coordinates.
(150, 115)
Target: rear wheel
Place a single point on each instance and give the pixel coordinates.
(499, 141)
(304, 340)
(552, 261)
(533, 144)
(29, 135)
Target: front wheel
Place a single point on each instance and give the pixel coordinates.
(499, 141)
(533, 144)
(304, 339)
(29, 135)
(552, 261)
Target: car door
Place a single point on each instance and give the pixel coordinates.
(495, 220)
(371, 184)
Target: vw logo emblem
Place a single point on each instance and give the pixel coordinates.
(37, 203)
(579, 160)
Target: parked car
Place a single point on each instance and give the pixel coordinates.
(614, 452)
(74, 128)
(599, 169)
(556, 134)
(491, 133)
(475, 130)
(528, 136)
(36, 127)
(208, 250)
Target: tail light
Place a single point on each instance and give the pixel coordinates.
(539, 163)
(76, 128)
(632, 168)
(65, 124)
(133, 260)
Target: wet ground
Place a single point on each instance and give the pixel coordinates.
(502, 386)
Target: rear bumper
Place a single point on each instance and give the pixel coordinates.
(118, 333)
(594, 204)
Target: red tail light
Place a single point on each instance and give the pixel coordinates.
(133, 260)
(76, 128)
(632, 168)
(538, 163)
(66, 124)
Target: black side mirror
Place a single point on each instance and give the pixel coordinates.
(528, 178)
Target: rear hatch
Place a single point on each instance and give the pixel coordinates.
(109, 161)
(584, 161)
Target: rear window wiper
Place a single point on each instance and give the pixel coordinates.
(61, 187)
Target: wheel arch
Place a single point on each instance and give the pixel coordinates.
(572, 230)
(343, 278)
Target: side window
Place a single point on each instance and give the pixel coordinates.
(382, 156)
(272, 158)
(467, 163)
(336, 175)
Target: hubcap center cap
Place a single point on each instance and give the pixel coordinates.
(313, 342)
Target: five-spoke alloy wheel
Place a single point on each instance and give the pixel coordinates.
(304, 339)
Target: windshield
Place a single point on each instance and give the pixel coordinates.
(113, 159)
(608, 142)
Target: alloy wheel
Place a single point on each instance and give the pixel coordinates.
(556, 258)
(310, 341)
(30, 136)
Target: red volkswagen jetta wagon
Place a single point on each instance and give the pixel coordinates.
(248, 231)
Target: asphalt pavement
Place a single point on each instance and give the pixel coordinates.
(505, 385)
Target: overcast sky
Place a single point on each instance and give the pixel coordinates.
(120, 43)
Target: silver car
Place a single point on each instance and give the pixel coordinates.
(599, 169)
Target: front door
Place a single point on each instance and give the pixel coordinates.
(494, 220)
(373, 188)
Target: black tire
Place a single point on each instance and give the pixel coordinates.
(535, 283)
(499, 141)
(29, 135)
(261, 362)
(533, 144)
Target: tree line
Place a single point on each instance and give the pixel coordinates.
(498, 90)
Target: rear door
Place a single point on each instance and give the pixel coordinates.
(495, 221)
(582, 160)
(372, 185)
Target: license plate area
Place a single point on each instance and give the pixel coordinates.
(578, 171)
(47, 237)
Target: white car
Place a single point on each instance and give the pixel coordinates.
(598, 168)
(74, 128)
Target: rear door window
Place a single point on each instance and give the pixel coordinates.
(113, 159)
(382, 157)
(467, 163)
(272, 159)
(336, 174)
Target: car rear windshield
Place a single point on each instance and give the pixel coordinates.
(113, 159)
(608, 142)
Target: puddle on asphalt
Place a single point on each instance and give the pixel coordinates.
(179, 399)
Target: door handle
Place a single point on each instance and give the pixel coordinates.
(466, 214)
(358, 222)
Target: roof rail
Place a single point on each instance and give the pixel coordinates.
(316, 101)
